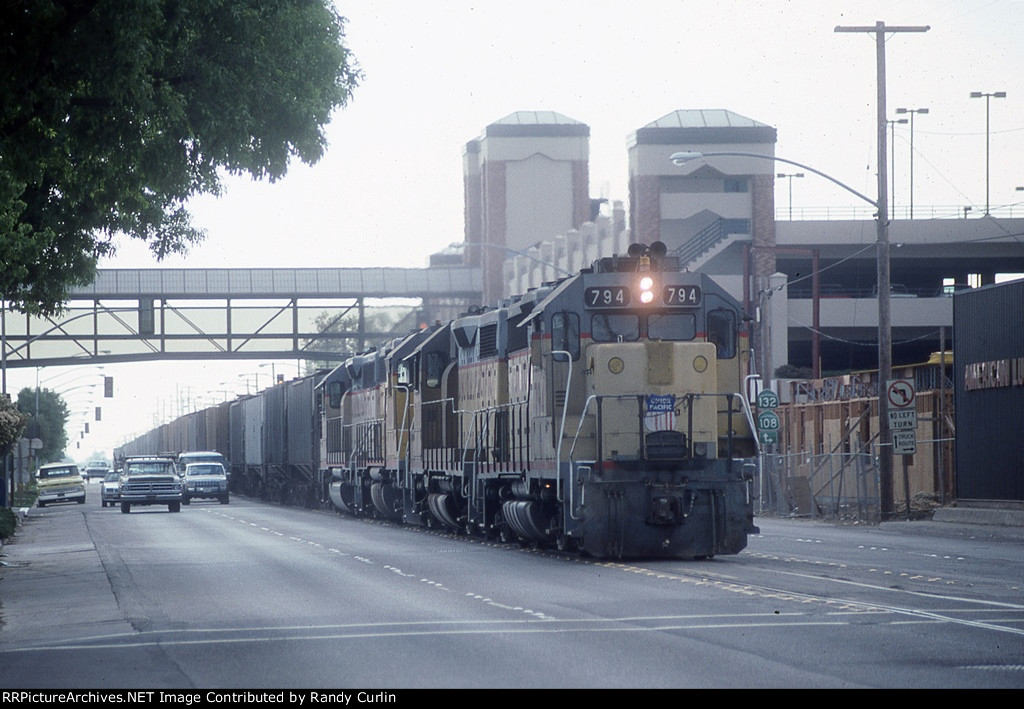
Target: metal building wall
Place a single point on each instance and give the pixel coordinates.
(988, 337)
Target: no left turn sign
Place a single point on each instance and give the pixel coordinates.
(900, 393)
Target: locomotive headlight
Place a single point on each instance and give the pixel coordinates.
(646, 290)
(700, 363)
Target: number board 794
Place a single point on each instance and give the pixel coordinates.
(620, 296)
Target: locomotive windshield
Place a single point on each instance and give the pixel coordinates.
(615, 327)
(672, 326)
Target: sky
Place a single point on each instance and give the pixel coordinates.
(389, 190)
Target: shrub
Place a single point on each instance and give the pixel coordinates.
(8, 523)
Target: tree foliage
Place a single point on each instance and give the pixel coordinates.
(113, 113)
(340, 333)
(12, 423)
(47, 420)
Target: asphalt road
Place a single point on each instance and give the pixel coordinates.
(250, 595)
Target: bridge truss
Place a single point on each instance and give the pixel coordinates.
(131, 315)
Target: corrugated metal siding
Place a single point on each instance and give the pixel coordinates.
(217, 427)
(252, 424)
(236, 435)
(273, 425)
(988, 327)
(302, 443)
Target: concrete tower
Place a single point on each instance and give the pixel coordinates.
(526, 180)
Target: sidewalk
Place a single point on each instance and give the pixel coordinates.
(981, 516)
(52, 570)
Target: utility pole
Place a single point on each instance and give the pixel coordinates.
(885, 475)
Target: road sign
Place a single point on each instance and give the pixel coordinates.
(768, 421)
(902, 420)
(900, 393)
(767, 399)
(768, 437)
(904, 443)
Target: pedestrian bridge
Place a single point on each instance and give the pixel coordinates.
(130, 315)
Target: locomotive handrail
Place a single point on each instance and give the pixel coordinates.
(404, 431)
(690, 396)
(360, 444)
(561, 431)
(572, 469)
(750, 419)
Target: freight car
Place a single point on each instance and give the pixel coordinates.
(269, 439)
(599, 414)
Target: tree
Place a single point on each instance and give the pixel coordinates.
(113, 113)
(48, 416)
(340, 335)
(12, 423)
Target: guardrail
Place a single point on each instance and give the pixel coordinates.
(1009, 211)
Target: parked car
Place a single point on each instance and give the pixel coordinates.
(110, 490)
(60, 482)
(206, 480)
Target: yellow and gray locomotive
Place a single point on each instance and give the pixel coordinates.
(600, 414)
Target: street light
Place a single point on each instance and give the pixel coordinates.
(884, 319)
(979, 94)
(892, 166)
(790, 176)
(911, 111)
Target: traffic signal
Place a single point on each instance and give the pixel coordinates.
(98, 411)
(108, 391)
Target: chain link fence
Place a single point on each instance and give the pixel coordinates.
(842, 486)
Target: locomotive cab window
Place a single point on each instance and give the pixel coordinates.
(404, 374)
(671, 326)
(615, 327)
(434, 369)
(334, 392)
(722, 332)
(565, 333)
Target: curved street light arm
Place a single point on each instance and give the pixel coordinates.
(685, 157)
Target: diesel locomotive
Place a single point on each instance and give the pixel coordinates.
(601, 413)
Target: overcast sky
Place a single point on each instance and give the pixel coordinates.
(389, 190)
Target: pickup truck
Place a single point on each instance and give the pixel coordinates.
(150, 481)
(59, 482)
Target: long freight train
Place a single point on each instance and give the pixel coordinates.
(600, 413)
